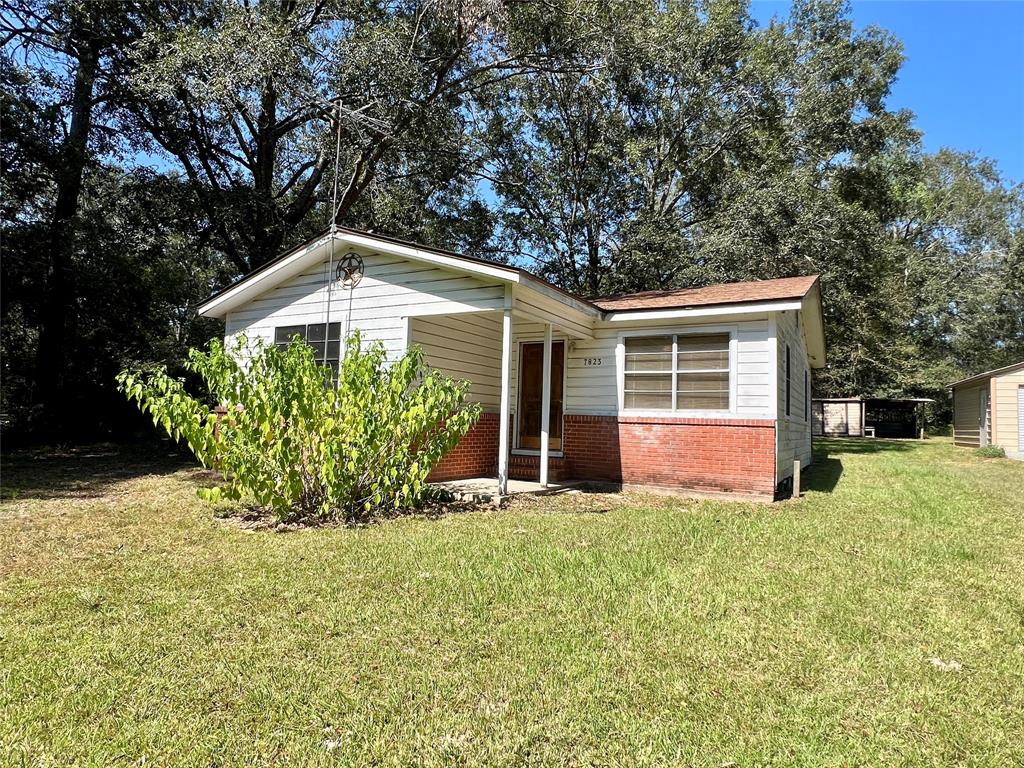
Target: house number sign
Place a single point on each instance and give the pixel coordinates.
(591, 361)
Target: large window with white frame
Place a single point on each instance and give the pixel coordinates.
(676, 372)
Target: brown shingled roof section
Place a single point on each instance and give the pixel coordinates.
(725, 293)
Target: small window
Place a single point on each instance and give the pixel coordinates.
(807, 394)
(788, 380)
(676, 372)
(324, 340)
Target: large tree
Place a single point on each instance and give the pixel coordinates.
(73, 53)
(255, 102)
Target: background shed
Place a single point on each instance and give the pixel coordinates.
(868, 417)
(988, 409)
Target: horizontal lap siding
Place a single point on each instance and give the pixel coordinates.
(391, 290)
(466, 347)
(1005, 394)
(794, 431)
(593, 389)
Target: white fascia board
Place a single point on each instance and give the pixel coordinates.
(568, 300)
(813, 327)
(249, 288)
(365, 242)
(685, 314)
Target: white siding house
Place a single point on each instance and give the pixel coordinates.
(685, 389)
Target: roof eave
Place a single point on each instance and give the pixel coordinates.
(814, 322)
(1012, 368)
(292, 262)
(703, 310)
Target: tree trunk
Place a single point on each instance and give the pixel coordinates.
(60, 293)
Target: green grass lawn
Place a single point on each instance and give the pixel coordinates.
(585, 629)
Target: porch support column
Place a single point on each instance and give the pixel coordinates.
(504, 412)
(545, 407)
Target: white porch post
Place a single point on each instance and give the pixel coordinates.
(504, 412)
(545, 406)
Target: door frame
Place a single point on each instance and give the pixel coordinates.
(519, 390)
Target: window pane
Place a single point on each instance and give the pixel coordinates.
(315, 332)
(648, 353)
(331, 373)
(285, 333)
(703, 382)
(334, 332)
(646, 390)
(333, 348)
(703, 352)
(649, 382)
(318, 349)
(655, 401)
(649, 362)
(703, 391)
(638, 344)
(704, 401)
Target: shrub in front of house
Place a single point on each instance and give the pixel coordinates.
(290, 441)
(991, 452)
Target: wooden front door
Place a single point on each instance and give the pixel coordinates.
(531, 368)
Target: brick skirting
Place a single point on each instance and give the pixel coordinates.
(716, 455)
(476, 455)
(730, 455)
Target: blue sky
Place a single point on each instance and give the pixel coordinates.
(964, 73)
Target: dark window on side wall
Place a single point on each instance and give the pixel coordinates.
(325, 342)
(788, 380)
(807, 394)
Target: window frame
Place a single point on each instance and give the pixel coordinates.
(807, 394)
(321, 360)
(789, 381)
(676, 333)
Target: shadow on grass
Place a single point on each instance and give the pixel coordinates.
(84, 472)
(832, 445)
(824, 474)
(827, 468)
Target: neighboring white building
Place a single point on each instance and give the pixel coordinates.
(703, 389)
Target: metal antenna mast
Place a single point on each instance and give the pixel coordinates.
(334, 227)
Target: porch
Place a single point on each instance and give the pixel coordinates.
(485, 489)
(515, 361)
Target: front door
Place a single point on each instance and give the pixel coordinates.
(531, 368)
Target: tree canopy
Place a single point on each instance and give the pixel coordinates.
(153, 152)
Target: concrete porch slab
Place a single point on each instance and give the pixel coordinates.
(485, 489)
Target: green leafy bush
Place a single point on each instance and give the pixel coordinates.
(303, 448)
(990, 452)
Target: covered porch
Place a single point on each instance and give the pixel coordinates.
(515, 360)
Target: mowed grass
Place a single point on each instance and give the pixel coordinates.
(586, 629)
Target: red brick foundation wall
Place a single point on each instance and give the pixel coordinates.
(527, 467)
(476, 455)
(731, 455)
(721, 455)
